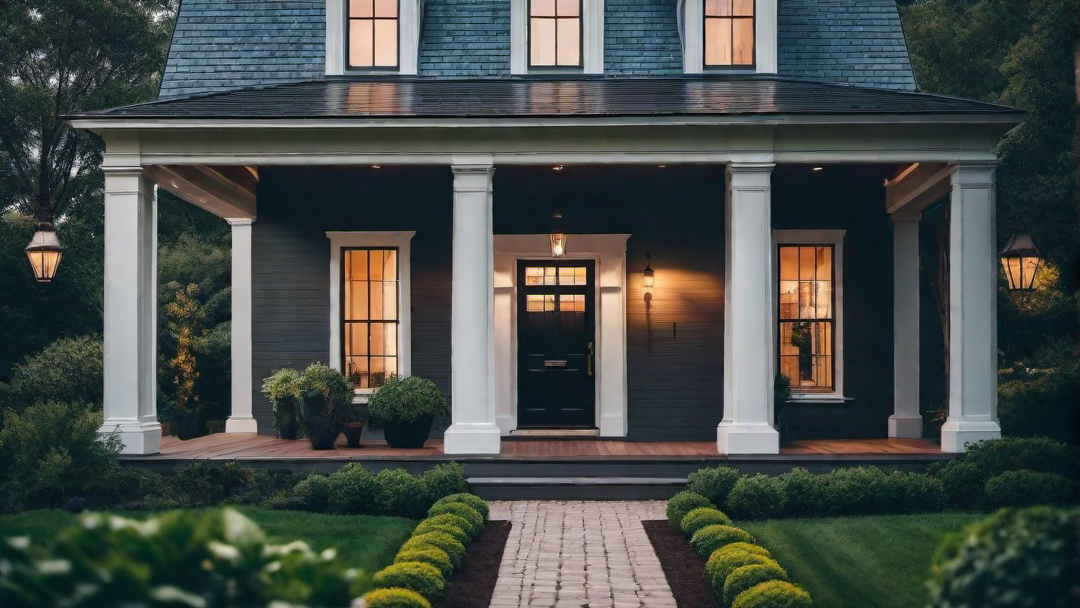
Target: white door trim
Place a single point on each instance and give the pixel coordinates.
(609, 253)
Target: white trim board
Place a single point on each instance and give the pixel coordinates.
(401, 240)
(609, 253)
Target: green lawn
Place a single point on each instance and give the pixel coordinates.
(366, 542)
(868, 562)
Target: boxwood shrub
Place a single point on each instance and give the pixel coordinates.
(713, 483)
(745, 577)
(395, 598)
(428, 555)
(749, 547)
(453, 549)
(701, 517)
(723, 562)
(444, 520)
(473, 517)
(1027, 488)
(773, 594)
(710, 538)
(756, 497)
(420, 577)
(682, 503)
(472, 500)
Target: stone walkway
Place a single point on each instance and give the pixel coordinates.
(575, 554)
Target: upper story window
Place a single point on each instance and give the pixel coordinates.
(373, 33)
(555, 33)
(729, 33)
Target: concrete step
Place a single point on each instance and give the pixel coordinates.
(576, 488)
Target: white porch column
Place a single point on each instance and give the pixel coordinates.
(131, 309)
(905, 421)
(748, 314)
(241, 420)
(972, 309)
(473, 429)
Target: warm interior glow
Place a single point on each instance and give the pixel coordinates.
(373, 33)
(44, 253)
(558, 244)
(729, 33)
(1020, 260)
(371, 316)
(806, 316)
(554, 33)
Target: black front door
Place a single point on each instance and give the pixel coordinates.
(556, 344)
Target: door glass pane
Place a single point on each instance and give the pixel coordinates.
(534, 275)
(572, 303)
(571, 275)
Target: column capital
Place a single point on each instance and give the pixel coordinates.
(906, 217)
(240, 221)
(749, 175)
(973, 174)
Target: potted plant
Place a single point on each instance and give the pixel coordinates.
(781, 396)
(406, 407)
(323, 391)
(283, 391)
(351, 416)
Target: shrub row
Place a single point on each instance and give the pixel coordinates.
(740, 572)
(417, 578)
(1008, 472)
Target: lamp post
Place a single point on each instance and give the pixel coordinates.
(1021, 261)
(44, 252)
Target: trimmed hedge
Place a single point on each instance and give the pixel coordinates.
(422, 578)
(428, 555)
(473, 517)
(701, 517)
(395, 598)
(756, 497)
(773, 594)
(444, 520)
(713, 483)
(722, 563)
(454, 549)
(681, 504)
(710, 538)
(745, 577)
(748, 547)
(472, 500)
(1027, 488)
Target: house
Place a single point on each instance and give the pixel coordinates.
(617, 217)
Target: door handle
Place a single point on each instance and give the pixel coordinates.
(590, 358)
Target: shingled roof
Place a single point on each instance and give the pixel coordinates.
(221, 45)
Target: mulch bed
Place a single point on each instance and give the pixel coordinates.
(474, 583)
(684, 570)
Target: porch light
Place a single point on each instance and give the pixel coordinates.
(1021, 261)
(558, 237)
(44, 252)
(648, 277)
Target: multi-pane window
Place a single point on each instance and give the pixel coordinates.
(370, 316)
(807, 316)
(373, 33)
(554, 33)
(729, 33)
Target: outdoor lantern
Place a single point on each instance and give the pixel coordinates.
(558, 237)
(1021, 262)
(44, 252)
(648, 276)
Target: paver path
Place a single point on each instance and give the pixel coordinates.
(580, 554)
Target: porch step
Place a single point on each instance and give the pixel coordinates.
(552, 434)
(575, 488)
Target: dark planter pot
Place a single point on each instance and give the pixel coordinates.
(289, 428)
(186, 425)
(322, 432)
(352, 435)
(409, 435)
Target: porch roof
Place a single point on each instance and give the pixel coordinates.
(746, 97)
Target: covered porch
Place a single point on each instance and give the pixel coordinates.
(225, 165)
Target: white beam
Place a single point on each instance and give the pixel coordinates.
(917, 187)
(206, 188)
(972, 309)
(130, 308)
(473, 429)
(905, 421)
(241, 419)
(748, 314)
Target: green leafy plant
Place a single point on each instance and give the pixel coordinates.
(1027, 488)
(910, 492)
(282, 390)
(397, 492)
(710, 538)
(428, 555)
(404, 400)
(464, 511)
(322, 391)
(701, 517)
(723, 562)
(745, 577)
(804, 493)
(713, 483)
(68, 371)
(472, 500)
(420, 577)
(446, 481)
(453, 549)
(681, 504)
(395, 598)
(445, 520)
(773, 594)
(748, 547)
(184, 318)
(756, 497)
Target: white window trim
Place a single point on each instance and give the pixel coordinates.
(403, 242)
(592, 29)
(692, 29)
(818, 237)
(410, 15)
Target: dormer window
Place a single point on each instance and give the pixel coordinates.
(373, 33)
(372, 36)
(729, 33)
(554, 33)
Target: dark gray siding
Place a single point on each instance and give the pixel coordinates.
(641, 37)
(465, 38)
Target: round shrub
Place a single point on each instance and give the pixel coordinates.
(682, 503)
(395, 598)
(69, 370)
(722, 563)
(472, 500)
(773, 594)
(458, 533)
(964, 484)
(994, 457)
(453, 549)
(914, 493)
(444, 520)
(1015, 558)
(351, 490)
(400, 493)
(756, 497)
(803, 493)
(1027, 488)
(701, 517)
(713, 483)
(711, 538)
(428, 555)
(404, 400)
(856, 491)
(422, 578)
(312, 494)
(448, 479)
(748, 547)
(464, 511)
(745, 577)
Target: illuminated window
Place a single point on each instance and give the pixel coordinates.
(373, 33)
(555, 33)
(807, 316)
(370, 315)
(729, 33)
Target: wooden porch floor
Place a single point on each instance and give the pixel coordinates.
(248, 446)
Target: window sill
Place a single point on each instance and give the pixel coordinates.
(825, 398)
(362, 395)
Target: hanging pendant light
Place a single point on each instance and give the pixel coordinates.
(1021, 261)
(558, 237)
(44, 252)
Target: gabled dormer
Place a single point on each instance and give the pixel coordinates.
(372, 36)
(728, 36)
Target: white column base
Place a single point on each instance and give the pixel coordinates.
(472, 438)
(905, 426)
(956, 435)
(241, 425)
(732, 438)
(139, 438)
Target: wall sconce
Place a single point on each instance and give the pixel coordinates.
(558, 237)
(648, 277)
(1021, 261)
